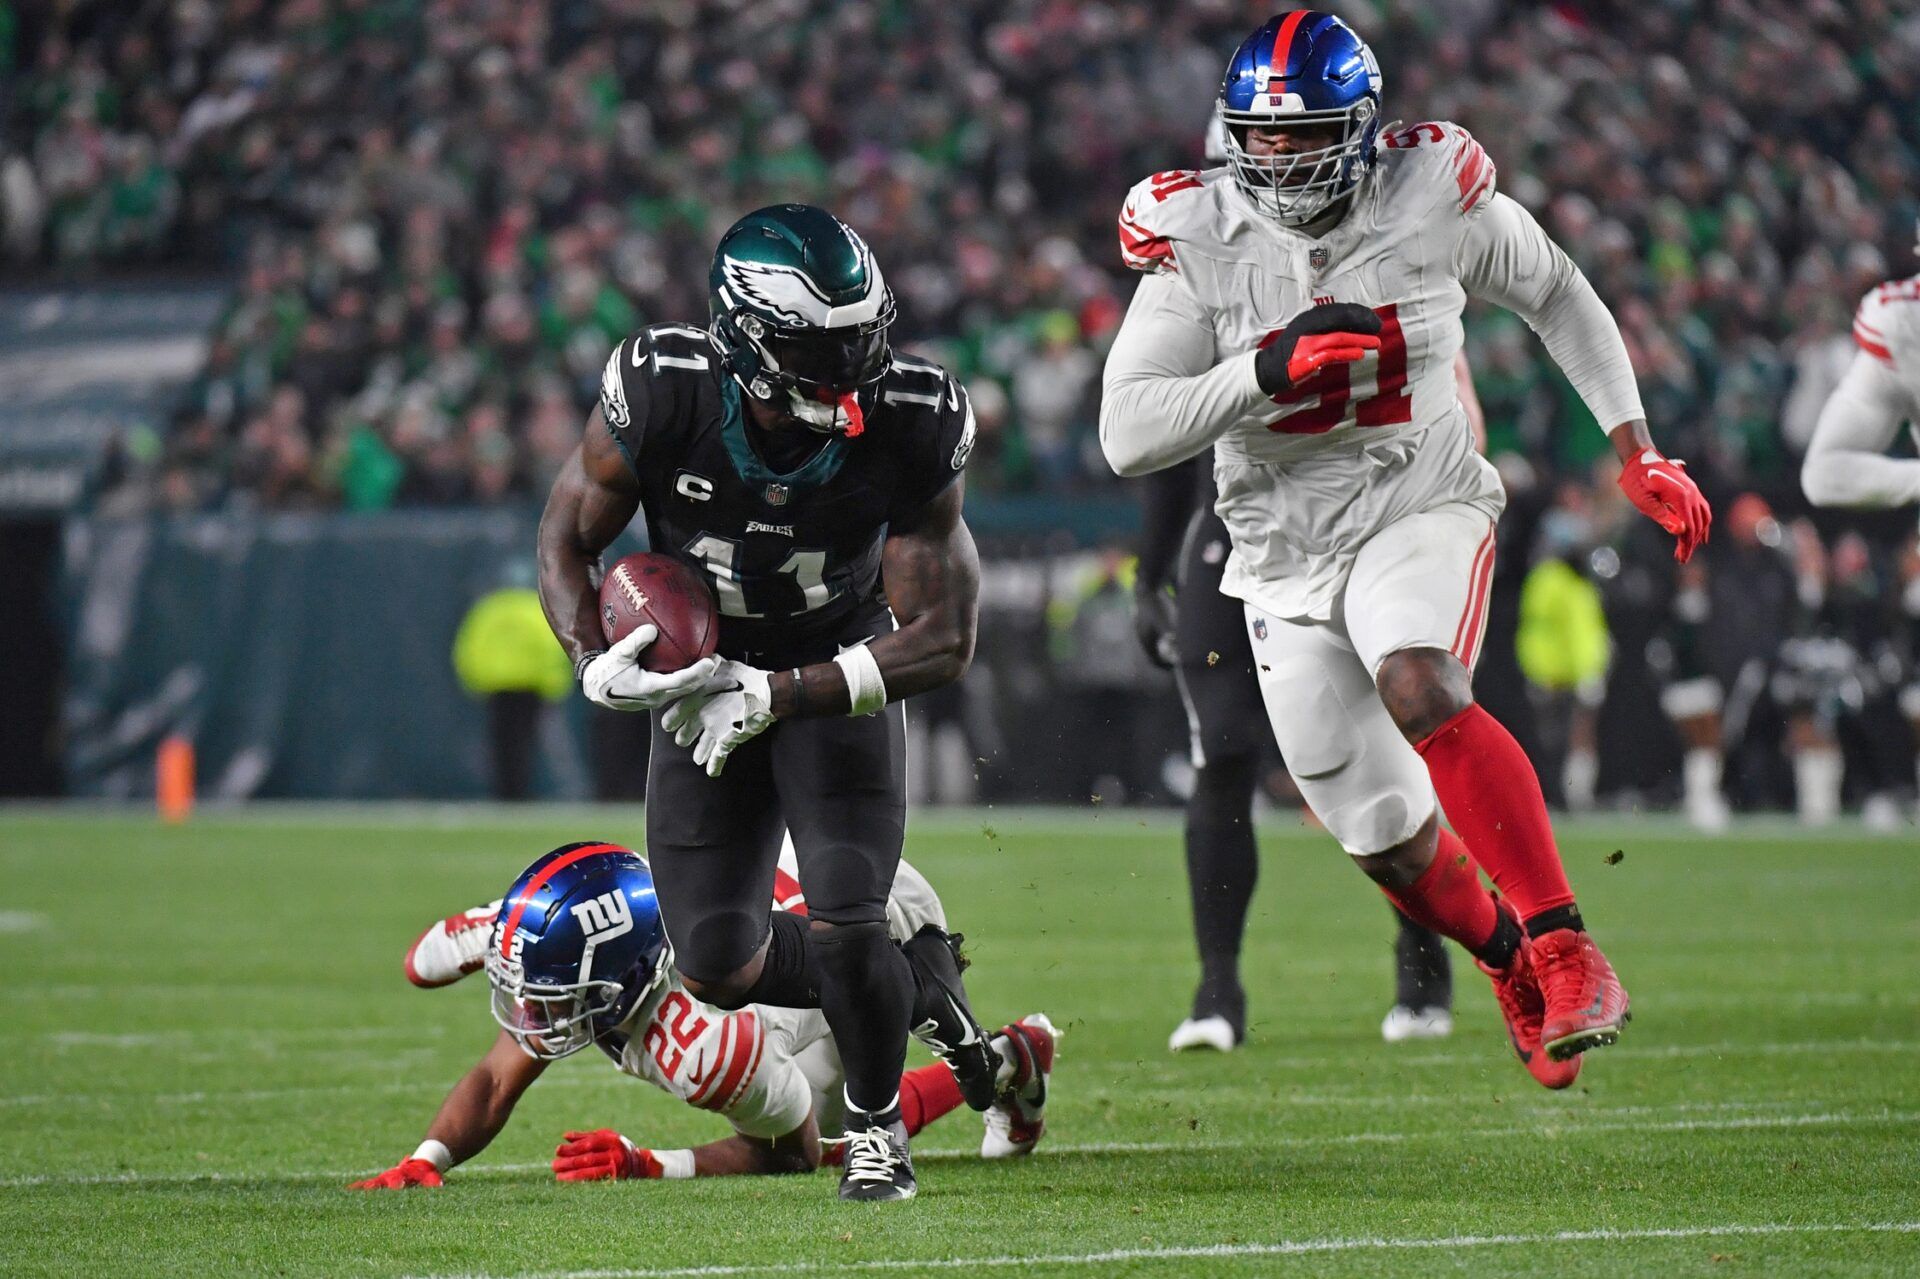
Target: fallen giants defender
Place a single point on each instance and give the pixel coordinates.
(1300, 314)
(814, 478)
(581, 958)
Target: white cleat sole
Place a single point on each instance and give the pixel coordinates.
(1204, 1032)
(1403, 1023)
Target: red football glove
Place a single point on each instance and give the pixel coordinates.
(1331, 333)
(1667, 495)
(408, 1172)
(602, 1155)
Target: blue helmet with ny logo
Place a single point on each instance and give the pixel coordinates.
(578, 943)
(1304, 71)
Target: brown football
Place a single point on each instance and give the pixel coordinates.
(673, 596)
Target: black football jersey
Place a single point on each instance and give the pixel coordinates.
(791, 555)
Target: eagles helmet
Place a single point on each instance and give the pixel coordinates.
(1302, 68)
(800, 315)
(578, 943)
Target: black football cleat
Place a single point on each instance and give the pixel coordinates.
(877, 1167)
(944, 1021)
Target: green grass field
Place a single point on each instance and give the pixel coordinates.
(206, 1034)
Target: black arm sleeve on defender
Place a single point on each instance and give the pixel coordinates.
(1167, 499)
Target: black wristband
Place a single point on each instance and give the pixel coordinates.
(580, 663)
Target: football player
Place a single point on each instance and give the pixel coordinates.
(576, 954)
(1186, 625)
(1879, 396)
(1300, 315)
(787, 453)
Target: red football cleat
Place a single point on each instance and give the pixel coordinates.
(453, 948)
(1586, 1005)
(1016, 1121)
(1524, 1008)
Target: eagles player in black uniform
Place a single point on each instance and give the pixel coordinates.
(1187, 625)
(788, 454)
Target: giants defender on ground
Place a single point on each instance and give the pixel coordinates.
(1186, 624)
(1847, 463)
(576, 954)
(1300, 315)
(791, 456)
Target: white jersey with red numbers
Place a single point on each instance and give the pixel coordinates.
(1307, 477)
(763, 1068)
(1878, 397)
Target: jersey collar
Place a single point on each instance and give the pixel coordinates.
(758, 476)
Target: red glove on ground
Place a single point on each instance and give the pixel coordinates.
(602, 1155)
(1665, 494)
(1333, 332)
(408, 1172)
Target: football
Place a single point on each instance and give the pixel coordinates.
(660, 589)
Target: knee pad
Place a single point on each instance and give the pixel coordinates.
(717, 946)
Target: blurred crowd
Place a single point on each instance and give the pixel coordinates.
(442, 214)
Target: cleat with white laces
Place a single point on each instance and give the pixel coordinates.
(453, 948)
(1214, 1032)
(876, 1167)
(1017, 1119)
(1403, 1023)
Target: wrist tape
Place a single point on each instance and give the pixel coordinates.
(675, 1165)
(866, 690)
(435, 1153)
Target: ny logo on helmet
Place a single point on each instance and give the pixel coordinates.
(602, 919)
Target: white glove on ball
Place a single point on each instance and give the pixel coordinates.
(617, 681)
(735, 707)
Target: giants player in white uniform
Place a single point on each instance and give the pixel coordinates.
(1300, 314)
(1879, 397)
(773, 1073)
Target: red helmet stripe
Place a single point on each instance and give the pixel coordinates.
(539, 881)
(1282, 43)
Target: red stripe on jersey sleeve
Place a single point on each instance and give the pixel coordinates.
(1871, 346)
(742, 1052)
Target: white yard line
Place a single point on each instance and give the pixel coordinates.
(1230, 1251)
(1569, 1126)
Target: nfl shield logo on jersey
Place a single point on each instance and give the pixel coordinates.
(1318, 256)
(1259, 628)
(777, 494)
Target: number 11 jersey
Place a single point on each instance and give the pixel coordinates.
(793, 556)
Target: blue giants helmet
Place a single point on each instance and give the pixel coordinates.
(578, 944)
(1302, 68)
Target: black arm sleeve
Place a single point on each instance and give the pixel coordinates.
(1167, 500)
(625, 395)
(937, 453)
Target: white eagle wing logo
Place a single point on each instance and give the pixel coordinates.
(787, 293)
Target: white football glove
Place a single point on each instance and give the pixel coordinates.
(617, 681)
(735, 707)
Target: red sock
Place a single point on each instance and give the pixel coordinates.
(1449, 897)
(1492, 796)
(926, 1094)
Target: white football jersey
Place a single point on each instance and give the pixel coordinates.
(1306, 477)
(1879, 395)
(743, 1064)
(1887, 327)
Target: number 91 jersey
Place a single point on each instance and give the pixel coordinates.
(1308, 476)
(793, 556)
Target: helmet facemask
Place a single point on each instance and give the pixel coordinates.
(1294, 188)
(818, 376)
(555, 1019)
